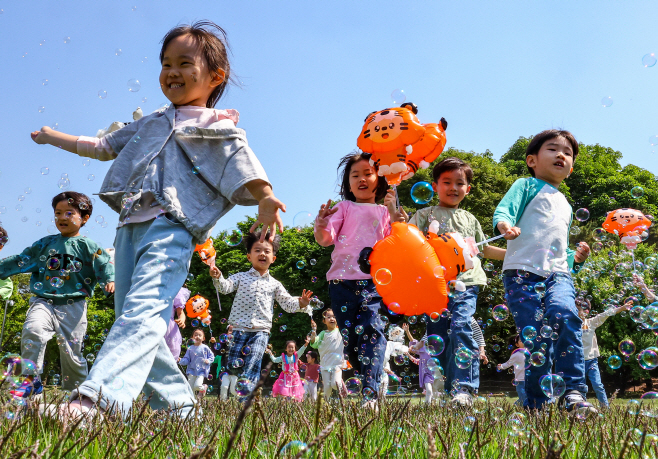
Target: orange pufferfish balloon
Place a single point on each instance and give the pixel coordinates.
(411, 273)
(399, 143)
(197, 307)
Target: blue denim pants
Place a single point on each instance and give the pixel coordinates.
(520, 391)
(594, 376)
(357, 303)
(152, 260)
(462, 308)
(559, 307)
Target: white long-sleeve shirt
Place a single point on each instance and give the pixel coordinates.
(393, 348)
(590, 345)
(518, 360)
(253, 306)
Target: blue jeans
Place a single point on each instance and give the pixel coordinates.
(152, 260)
(566, 352)
(361, 304)
(520, 391)
(594, 376)
(462, 308)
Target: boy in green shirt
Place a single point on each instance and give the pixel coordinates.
(452, 182)
(65, 269)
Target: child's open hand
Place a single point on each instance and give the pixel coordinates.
(269, 216)
(628, 305)
(180, 321)
(109, 287)
(325, 212)
(305, 299)
(405, 327)
(582, 252)
(42, 137)
(215, 273)
(314, 326)
(483, 357)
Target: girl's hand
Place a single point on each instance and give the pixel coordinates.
(42, 137)
(268, 351)
(314, 326)
(325, 212)
(582, 252)
(639, 282)
(628, 305)
(215, 273)
(483, 357)
(308, 340)
(305, 299)
(405, 327)
(180, 321)
(109, 287)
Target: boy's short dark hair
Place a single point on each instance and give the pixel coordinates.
(537, 141)
(78, 200)
(452, 164)
(252, 238)
(212, 40)
(3, 237)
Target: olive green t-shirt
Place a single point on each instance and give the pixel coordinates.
(455, 220)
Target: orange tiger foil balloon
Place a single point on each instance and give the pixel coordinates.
(399, 143)
(197, 307)
(628, 224)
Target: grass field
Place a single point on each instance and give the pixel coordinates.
(402, 428)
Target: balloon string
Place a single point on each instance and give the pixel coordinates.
(491, 239)
(633, 255)
(218, 302)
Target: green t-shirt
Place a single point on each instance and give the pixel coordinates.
(6, 287)
(63, 268)
(455, 220)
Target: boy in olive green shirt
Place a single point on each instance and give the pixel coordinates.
(452, 182)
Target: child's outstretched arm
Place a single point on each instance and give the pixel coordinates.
(49, 136)
(268, 208)
(405, 327)
(638, 281)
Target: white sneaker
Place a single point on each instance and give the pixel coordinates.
(462, 398)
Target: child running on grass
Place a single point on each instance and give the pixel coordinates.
(198, 359)
(312, 375)
(289, 384)
(518, 359)
(329, 344)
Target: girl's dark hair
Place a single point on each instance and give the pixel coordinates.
(3, 237)
(251, 238)
(202, 332)
(346, 163)
(452, 164)
(214, 45)
(291, 341)
(78, 200)
(313, 355)
(513, 340)
(537, 141)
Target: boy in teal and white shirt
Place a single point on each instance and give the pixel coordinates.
(535, 219)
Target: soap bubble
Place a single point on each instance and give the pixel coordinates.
(44, 82)
(38, 286)
(246, 350)
(91, 177)
(134, 85)
(606, 101)
(316, 304)
(614, 362)
(626, 347)
(45, 171)
(300, 264)
(529, 332)
(582, 215)
(102, 94)
(500, 312)
(649, 60)
(537, 359)
(546, 331)
(540, 288)
(398, 96)
(90, 358)
(637, 192)
(283, 328)
(422, 193)
(63, 183)
(293, 448)
(56, 282)
(42, 109)
(463, 358)
(237, 363)
(383, 276)
(233, 236)
(553, 386)
(435, 345)
(243, 387)
(648, 359)
(358, 329)
(353, 385)
(303, 219)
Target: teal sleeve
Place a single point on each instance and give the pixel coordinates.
(318, 340)
(17, 264)
(6, 288)
(103, 266)
(511, 207)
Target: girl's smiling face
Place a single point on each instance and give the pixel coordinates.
(198, 337)
(185, 78)
(291, 348)
(329, 320)
(363, 181)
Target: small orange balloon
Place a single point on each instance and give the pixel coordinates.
(624, 221)
(197, 307)
(206, 250)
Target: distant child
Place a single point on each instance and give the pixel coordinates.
(518, 360)
(329, 344)
(226, 380)
(535, 219)
(175, 173)
(312, 375)
(253, 306)
(452, 183)
(352, 224)
(429, 376)
(591, 346)
(198, 359)
(65, 269)
(394, 347)
(289, 383)
(6, 285)
(649, 295)
(173, 337)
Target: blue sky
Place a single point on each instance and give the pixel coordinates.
(311, 72)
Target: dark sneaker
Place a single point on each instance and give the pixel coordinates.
(574, 402)
(28, 388)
